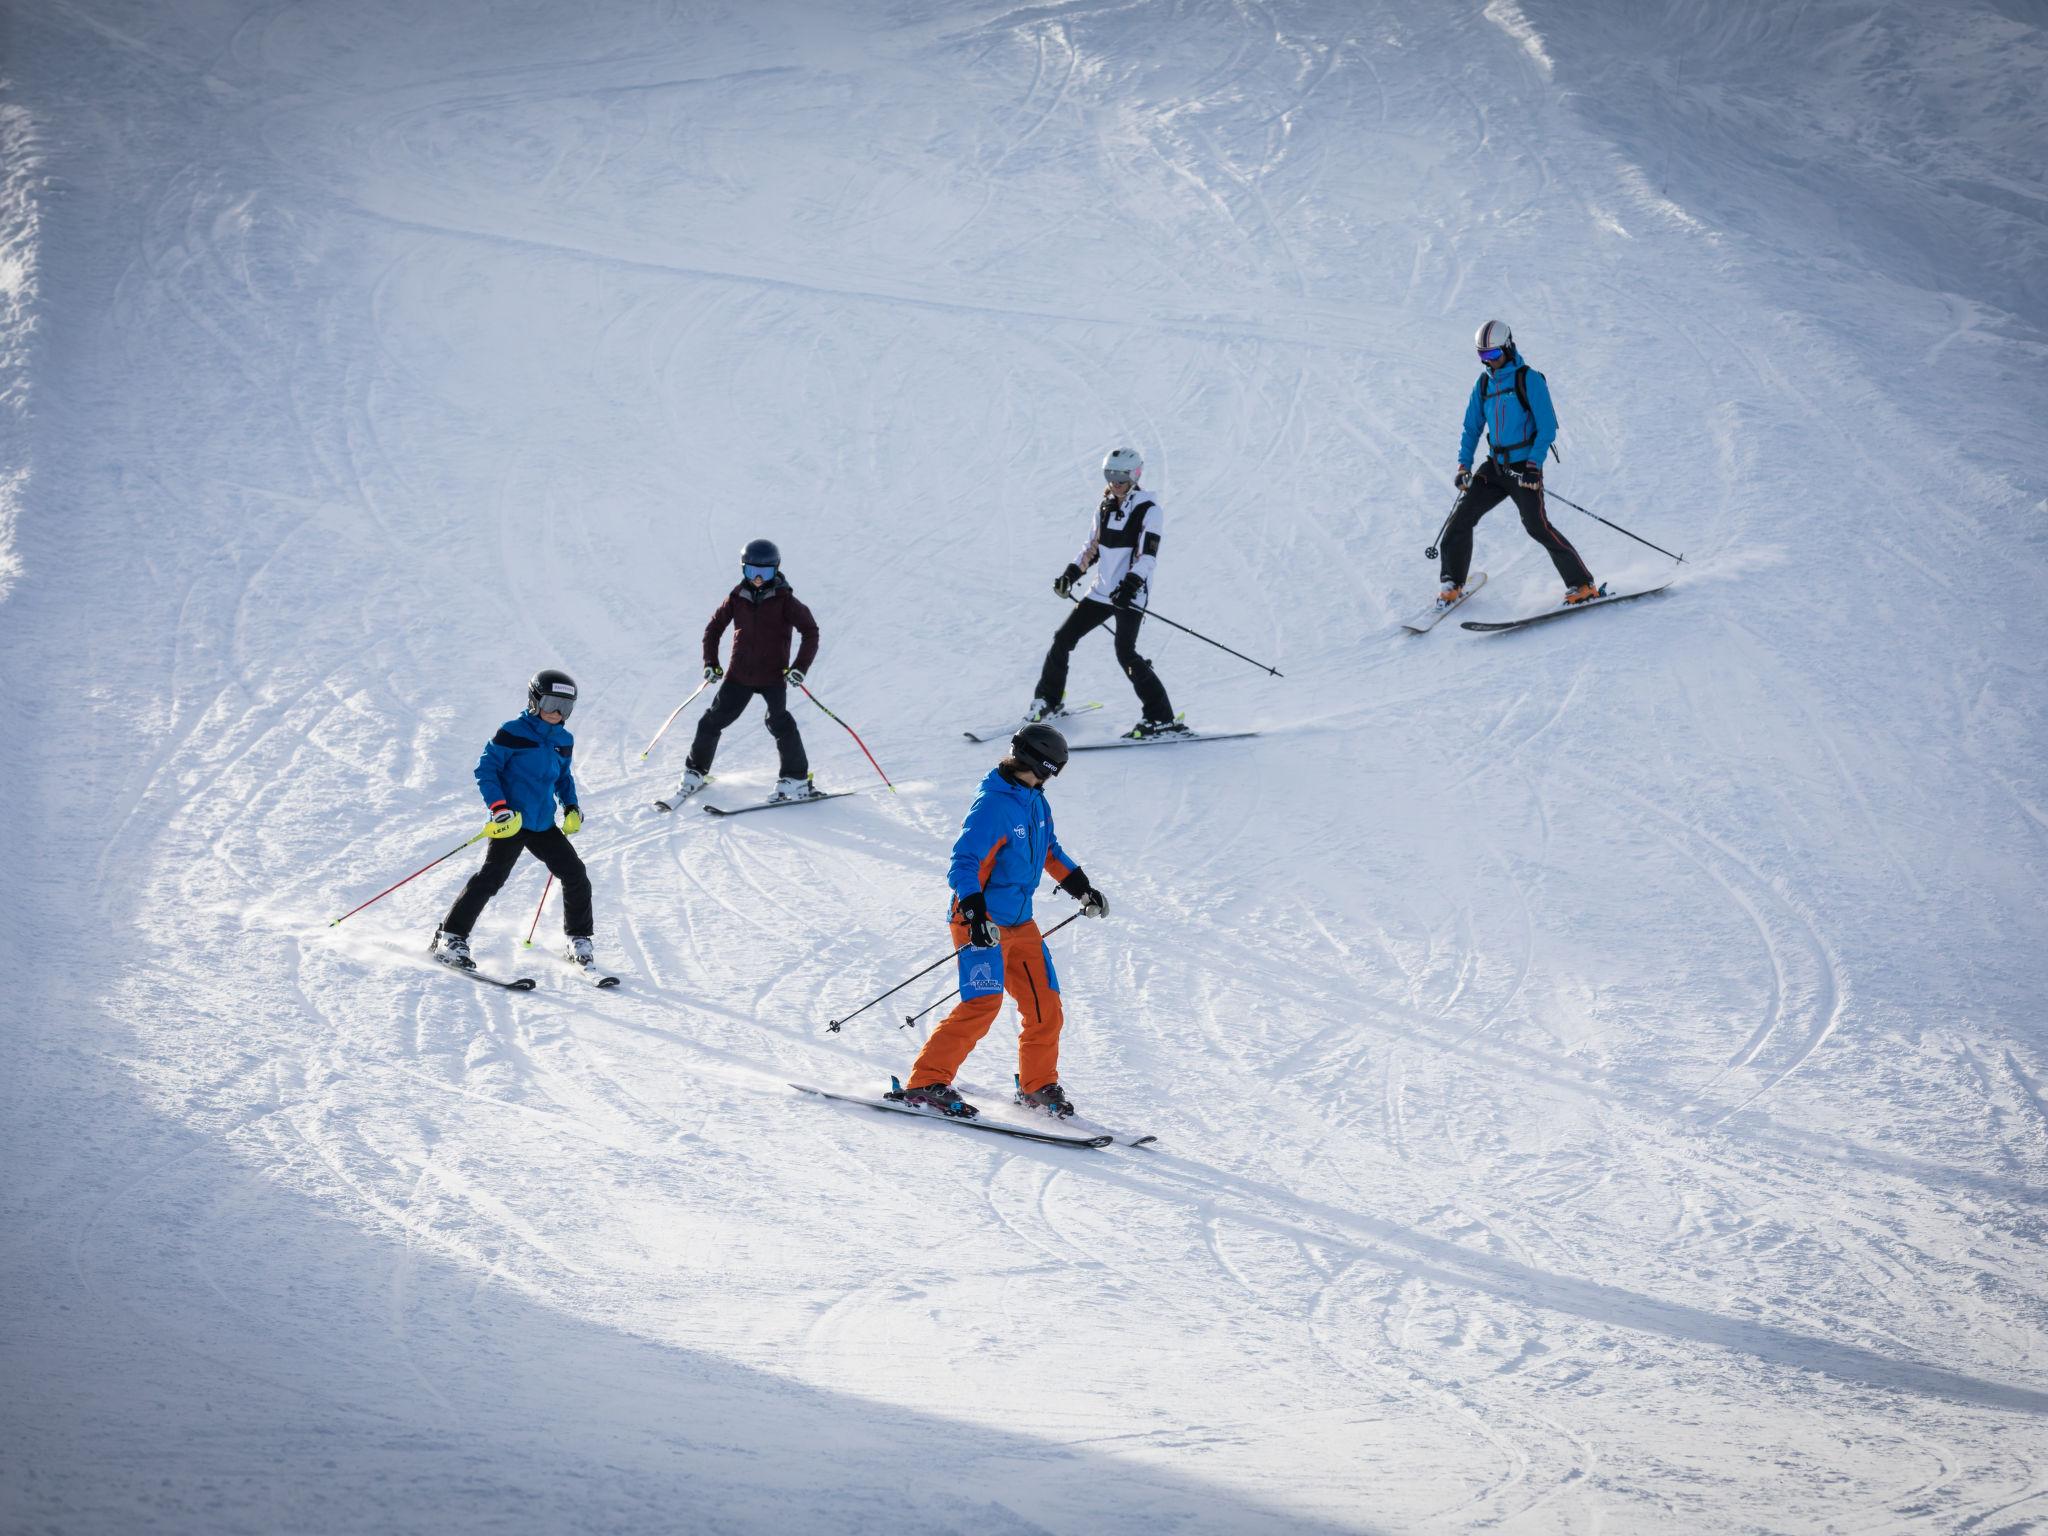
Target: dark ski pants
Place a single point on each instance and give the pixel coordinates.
(1091, 615)
(551, 846)
(1489, 487)
(728, 704)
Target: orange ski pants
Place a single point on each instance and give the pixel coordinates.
(1027, 978)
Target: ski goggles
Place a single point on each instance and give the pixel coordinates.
(1492, 354)
(1117, 476)
(563, 704)
(758, 572)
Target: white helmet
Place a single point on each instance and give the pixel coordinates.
(1123, 466)
(1494, 333)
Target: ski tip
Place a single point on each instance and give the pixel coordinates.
(523, 984)
(607, 981)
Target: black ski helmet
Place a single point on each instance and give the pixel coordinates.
(1040, 748)
(553, 690)
(761, 552)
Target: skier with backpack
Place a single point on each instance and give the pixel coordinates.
(1005, 845)
(763, 613)
(523, 771)
(1122, 549)
(1510, 402)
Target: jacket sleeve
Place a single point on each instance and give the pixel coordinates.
(1146, 555)
(1475, 418)
(1091, 550)
(806, 626)
(565, 781)
(490, 771)
(1057, 864)
(1544, 412)
(981, 835)
(720, 617)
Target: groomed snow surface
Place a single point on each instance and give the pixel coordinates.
(1599, 1072)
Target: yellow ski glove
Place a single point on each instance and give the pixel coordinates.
(503, 822)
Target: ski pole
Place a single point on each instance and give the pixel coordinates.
(856, 741)
(1430, 553)
(352, 911)
(530, 927)
(1162, 618)
(833, 1027)
(910, 1019)
(1616, 527)
(671, 720)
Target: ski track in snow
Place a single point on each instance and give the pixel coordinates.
(1595, 1070)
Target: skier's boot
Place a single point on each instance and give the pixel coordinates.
(793, 789)
(579, 952)
(1450, 596)
(690, 783)
(452, 949)
(1585, 594)
(1147, 730)
(1052, 1098)
(934, 1096)
(1040, 710)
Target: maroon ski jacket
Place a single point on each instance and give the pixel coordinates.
(760, 642)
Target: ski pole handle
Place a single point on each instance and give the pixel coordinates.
(352, 911)
(671, 720)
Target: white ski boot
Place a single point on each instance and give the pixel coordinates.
(793, 789)
(451, 949)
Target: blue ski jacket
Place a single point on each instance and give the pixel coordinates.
(526, 765)
(1005, 844)
(1513, 435)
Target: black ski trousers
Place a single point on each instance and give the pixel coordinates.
(728, 704)
(548, 844)
(1489, 487)
(1088, 616)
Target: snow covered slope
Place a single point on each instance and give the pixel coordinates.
(1599, 1072)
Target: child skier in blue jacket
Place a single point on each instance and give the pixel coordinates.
(523, 772)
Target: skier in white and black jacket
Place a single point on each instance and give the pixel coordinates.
(1122, 550)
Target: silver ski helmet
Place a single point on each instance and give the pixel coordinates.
(1040, 748)
(1123, 466)
(1495, 343)
(549, 692)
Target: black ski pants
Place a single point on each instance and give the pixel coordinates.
(1489, 487)
(728, 704)
(1091, 615)
(548, 844)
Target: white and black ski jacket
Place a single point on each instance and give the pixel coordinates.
(1123, 539)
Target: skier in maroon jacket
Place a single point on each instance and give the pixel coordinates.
(762, 611)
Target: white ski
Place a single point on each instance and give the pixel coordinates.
(1057, 722)
(1427, 620)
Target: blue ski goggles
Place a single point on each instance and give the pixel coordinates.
(758, 572)
(563, 704)
(1492, 354)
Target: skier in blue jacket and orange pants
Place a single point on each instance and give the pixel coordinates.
(1006, 843)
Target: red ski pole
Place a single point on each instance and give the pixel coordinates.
(851, 732)
(352, 911)
(530, 927)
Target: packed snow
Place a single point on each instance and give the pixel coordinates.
(1599, 1072)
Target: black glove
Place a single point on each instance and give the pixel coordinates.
(1463, 478)
(981, 930)
(1063, 583)
(1109, 503)
(1529, 476)
(1093, 902)
(1128, 589)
